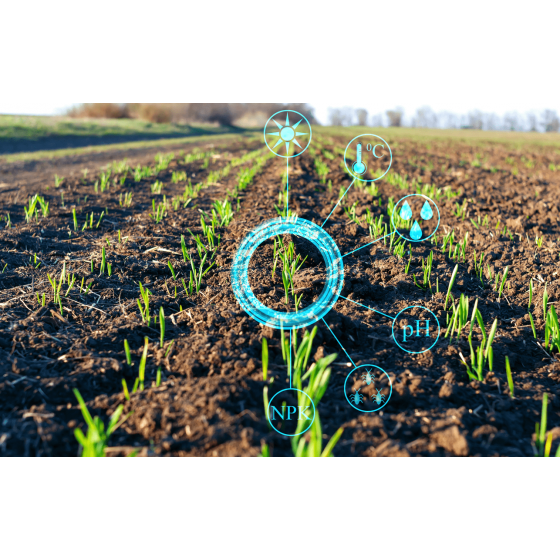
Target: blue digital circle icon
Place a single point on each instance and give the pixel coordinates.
(287, 131)
(368, 388)
(416, 218)
(334, 273)
(294, 409)
(413, 332)
(370, 156)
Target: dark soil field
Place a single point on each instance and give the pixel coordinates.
(207, 399)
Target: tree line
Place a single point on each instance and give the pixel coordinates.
(425, 117)
(225, 114)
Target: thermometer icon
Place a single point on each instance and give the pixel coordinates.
(359, 166)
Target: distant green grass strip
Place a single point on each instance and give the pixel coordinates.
(53, 154)
(466, 136)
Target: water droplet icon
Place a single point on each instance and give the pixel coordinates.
(416, 232)
(406, 212)
(427, 212)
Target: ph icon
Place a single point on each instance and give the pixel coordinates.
(416, 330)
(408, 330)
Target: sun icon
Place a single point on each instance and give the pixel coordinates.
(288, 134)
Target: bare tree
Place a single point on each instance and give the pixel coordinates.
(361, 117)
(532, 121)
(492, 122)
(550, 121)
(512, 121)
(425, 118)
(395, 117)
(377, 121)
(448, 120)
(341, 116)
(475, 119)
(335, 117)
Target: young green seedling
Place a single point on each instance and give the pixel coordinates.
(127, 352)
(541, 442)
(161, 327)
(453, 278)
(95, 442)
(552, 330)
(142, 368)
(103, 262)
(265, 359)
(510, 379)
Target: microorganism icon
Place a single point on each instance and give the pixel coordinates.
(416, 232)
(380, 398)
(406, 212)
(427, 212)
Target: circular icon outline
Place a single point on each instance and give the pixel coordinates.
(298, 391)
(416, 307)
(359, 178)
(346, 391)
(334, 274)
(395, 212)
(310, 134)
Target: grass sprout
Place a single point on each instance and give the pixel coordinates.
(144, 304)
(127, 352)
(95, 442)
(427, 270)
(453, 278)
(142, 368)
(543, 444)
(161, 327)
(291, 263)
(552, 330)
(510, 379)
(483, 356)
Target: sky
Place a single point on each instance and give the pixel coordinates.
(322, 110)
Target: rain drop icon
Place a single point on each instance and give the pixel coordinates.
(416, 232)
(406, 212)
(427, 212)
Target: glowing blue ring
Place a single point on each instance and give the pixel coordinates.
(346, 389)
(416, 307)
(357, 176)
(333, 283)
(270, 404)
(406, 238)
(308, 143)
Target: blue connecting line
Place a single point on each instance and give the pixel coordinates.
(338, 203)
(380, 239)
(287, 187)
(339, 343)
(290, 362)
(370, 308)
